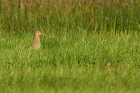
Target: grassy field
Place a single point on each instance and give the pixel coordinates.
(82, 37)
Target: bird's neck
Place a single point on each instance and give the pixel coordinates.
(37, 39)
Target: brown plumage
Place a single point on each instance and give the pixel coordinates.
(36, 43)
(109, 66)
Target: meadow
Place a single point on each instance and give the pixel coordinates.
(82, 36)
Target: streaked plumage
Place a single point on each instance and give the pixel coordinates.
(36, 43)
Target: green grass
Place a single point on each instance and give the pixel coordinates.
(56, 15)
(82, 37)
(72, 64)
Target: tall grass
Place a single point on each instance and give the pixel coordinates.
(82, 37)
(26, 15)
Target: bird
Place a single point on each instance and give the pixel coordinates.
(36, 43)
(109, 66)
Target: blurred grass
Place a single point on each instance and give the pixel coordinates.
(103, 16)
(82, 37)
(70, 64)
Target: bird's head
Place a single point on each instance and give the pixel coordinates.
(39, 33)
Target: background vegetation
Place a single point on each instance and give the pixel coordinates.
(82, 37)
(91, 15)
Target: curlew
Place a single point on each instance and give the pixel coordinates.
(109, 66)
(36, 43)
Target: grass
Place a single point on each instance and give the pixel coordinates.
(24, 15)
(70, 64)
(82, 37)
